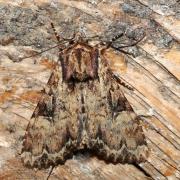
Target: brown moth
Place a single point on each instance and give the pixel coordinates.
(83, 107)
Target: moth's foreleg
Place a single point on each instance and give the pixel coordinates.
(132, 44)
(122, 82)
(109, 44)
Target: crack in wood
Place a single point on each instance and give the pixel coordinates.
(161, 66)
(164, 152)
(156, 81)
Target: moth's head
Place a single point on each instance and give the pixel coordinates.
(80, 62)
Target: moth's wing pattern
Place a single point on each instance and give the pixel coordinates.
(114, 129)
(48, 139)
(90, 114)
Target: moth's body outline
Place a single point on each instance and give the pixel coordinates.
(83, 108)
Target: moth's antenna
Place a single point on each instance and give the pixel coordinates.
(123, 51)
(128, 45)
(58, 37)
(58, 45)
(114, 39)
(109, 44)
(132, 44)
(42, 51)
(55, 32)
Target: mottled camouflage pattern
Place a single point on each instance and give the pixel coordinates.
(83, 107)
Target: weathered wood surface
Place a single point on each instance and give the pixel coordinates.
(154, 74)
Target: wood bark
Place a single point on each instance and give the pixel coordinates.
(153, 73)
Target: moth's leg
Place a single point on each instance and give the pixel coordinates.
(110, 44)
(70, 40)
(50, 172)
(143, 120)
(121, 81)
(123, 51)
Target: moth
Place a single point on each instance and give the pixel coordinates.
(83, 108)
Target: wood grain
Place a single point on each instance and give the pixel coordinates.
(154, 75)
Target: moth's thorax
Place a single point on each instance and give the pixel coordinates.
(80, 62)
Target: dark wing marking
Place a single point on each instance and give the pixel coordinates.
(45, 103)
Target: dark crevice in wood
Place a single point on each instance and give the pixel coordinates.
(50, 172)
(18, 101)
(146, 173)
(157, 171)
(158, 116)
(158, 132)
(174, 143)
(150, 168)
(133, 62)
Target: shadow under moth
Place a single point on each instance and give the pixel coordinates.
(83, 108)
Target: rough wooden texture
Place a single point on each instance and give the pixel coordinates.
(154, 74)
